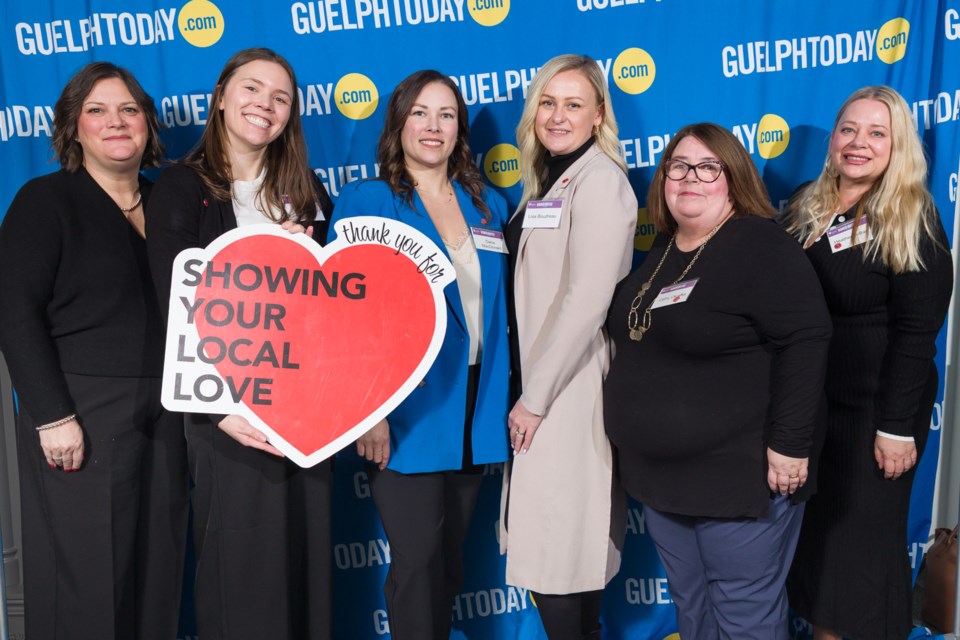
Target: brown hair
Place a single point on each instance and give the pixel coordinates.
(66, 114)
(746, 189)
(460, 166)
(288, 172)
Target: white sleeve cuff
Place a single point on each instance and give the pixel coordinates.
(893, 437)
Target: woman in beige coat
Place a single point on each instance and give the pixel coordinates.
(570, 242)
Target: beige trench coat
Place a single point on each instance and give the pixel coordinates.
(566, 519)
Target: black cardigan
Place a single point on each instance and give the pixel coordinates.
(75, 292)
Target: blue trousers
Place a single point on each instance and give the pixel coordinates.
(727, 575)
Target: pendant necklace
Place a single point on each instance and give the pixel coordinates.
(434, 198)
(635, 324)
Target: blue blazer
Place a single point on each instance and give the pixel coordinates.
(426, 430)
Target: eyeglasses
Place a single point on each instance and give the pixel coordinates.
(705, 171)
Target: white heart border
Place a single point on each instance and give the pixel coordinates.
(177, 326)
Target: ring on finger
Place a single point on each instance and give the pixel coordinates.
(521, 433)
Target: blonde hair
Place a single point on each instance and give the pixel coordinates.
(898, 207)
(533, 170)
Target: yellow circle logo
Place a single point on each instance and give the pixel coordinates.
(488, 13)
(673, 636)
(773, 136)
(892, 40)
(356, 96)
(200, 23)
(502, 165)
(645, 232)
(634, 71)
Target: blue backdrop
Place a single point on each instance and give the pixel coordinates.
(773, 73)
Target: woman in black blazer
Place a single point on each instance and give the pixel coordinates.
(103, 477)
(261, 523)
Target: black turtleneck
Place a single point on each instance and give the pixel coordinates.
(556, 165)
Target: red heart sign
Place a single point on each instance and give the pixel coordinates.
(313, 345)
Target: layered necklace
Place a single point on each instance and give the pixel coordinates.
(638, 325)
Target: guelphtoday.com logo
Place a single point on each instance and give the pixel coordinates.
(199, 22)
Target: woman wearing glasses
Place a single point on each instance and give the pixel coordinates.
(713, 398)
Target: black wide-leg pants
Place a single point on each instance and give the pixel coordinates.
(263, 541)
(103, 547)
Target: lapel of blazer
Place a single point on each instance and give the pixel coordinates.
(418, 218)
(216, 217)
(556, 192)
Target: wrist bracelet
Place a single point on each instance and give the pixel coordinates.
(58, 423)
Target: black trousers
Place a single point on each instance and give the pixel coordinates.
(263, 541)
(425, 517)
(103, 547)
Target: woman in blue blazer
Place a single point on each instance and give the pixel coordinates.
(425, 458)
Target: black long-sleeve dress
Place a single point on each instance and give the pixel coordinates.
(850, 572)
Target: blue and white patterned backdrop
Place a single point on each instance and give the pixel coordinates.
(772, 72)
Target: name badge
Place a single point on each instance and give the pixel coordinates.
(542, 214)
(841, 236)
(675, 293)
(488, 240)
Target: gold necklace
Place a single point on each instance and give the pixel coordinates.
(436, 198)
(635, 324)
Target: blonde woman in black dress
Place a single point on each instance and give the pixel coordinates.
(870, 228)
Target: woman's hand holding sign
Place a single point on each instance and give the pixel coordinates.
(238, 428)
(295, 227)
